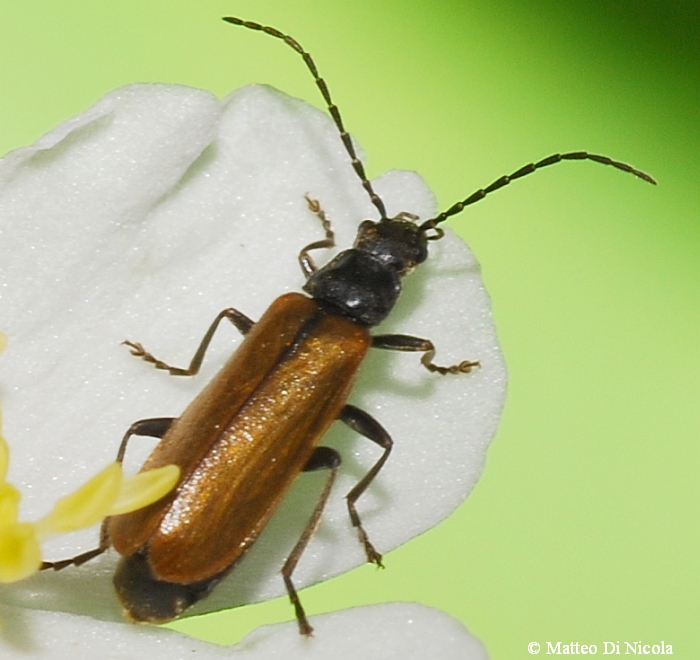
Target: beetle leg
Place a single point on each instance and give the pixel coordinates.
(78, 560)
(362, 422)
(305, 261)
(240, 320)
(425, 346)
(83, 557)
(322, 458)
(154, 428)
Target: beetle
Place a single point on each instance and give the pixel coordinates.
(259, 423)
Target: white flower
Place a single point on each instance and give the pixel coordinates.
(141, 219)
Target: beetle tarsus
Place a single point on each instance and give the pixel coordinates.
(305, 628)
(305, 260)
(373, 557)
(78, 560)
(463, 367)
(139, 351)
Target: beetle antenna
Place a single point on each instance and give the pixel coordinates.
(332, 108)
(524, 171)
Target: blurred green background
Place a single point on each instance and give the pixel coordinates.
(584, 526)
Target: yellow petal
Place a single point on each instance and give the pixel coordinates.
(20, 555)
(145, 488)
(9, 503)
(86, 506)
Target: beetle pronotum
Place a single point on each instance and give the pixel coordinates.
(259, 422)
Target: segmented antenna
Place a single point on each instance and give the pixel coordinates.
(529, 169)
(332, 108)
(459, 206)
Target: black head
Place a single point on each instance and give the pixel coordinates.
(397, 243)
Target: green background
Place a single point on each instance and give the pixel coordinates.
(584, 524)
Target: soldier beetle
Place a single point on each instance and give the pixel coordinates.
(259, 423)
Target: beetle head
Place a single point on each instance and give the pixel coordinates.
(398, 243)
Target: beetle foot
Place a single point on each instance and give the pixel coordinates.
(305, 628)
(463, 367)
(373, 557)
(78, 560)
(139, 351)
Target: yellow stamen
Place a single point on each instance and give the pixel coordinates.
(145, 488)
(9, 503)
(86, 506)
(20, 554)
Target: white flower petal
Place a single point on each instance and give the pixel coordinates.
(144, 217)
(393, 631)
